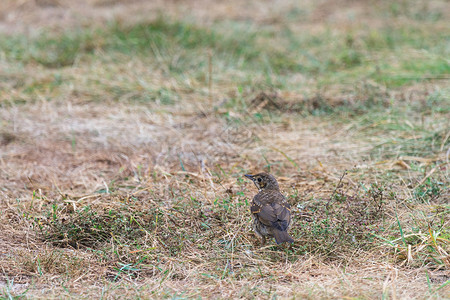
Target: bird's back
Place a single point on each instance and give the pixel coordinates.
(272, 209)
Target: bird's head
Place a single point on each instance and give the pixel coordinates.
(264, 181)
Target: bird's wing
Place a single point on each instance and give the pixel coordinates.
(275, 214)
(283, 212)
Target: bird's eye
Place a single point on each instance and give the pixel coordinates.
(259, 179)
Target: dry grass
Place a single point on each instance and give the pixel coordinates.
(121, 166)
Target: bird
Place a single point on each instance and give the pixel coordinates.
(270, 210)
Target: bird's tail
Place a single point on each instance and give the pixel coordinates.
(282, 236)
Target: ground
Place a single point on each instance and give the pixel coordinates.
(126, 128)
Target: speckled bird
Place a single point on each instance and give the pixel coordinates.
(270, 210)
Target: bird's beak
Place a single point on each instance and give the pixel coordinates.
(249, 176)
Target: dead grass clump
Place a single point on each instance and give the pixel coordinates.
(169, 217)
(362, 98)
(7, 137)
(52, 261)
(421, 150)
(90, 228)
(344, 223)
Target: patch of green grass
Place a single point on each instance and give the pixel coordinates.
(396, 127)
(258, 57)
(162, 35)
(420, 11)
(430, 191)
(435, 103)
(50, 50)
(422, 144)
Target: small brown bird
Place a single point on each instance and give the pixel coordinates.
(270, 209)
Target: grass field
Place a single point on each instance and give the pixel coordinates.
(126, 128)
